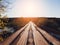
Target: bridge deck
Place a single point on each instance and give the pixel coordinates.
(30, 34)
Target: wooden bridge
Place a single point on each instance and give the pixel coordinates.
(30, 34)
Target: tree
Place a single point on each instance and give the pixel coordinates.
(2, 8)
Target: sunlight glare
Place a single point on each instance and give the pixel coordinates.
(27, 9)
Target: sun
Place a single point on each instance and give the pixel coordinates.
(29, 10)
(25, 9)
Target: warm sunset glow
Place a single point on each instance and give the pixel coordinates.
(23, 21)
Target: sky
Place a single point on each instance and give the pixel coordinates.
(34, 8)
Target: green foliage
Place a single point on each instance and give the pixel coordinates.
(3, 21)
(1, 24)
